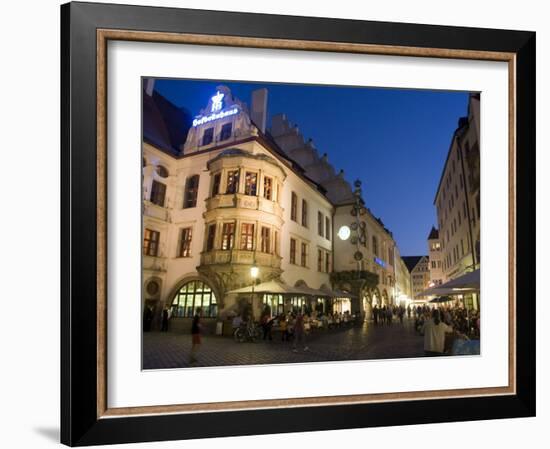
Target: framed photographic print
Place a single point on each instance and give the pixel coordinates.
(281, 224)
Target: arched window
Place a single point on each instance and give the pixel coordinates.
(162, 171)
(193, 295)
(191, 191)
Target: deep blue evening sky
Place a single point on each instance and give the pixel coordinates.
(394, 140)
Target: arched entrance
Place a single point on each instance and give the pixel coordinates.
(385, 300)
(194, 295)
(367, 305)
(376, 298)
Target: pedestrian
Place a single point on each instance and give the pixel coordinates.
(147, 318)
(400, 314)
(375, 314)
(195, 336)
(236, 323)
(434, 331)
(283, 324)
(299, 333)
(409, 311)
(389, 315)
(267, 323)
(165, 319)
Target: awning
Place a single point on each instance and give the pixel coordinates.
(280, 288)
(467, 283)
(337, 293)
(274, 287)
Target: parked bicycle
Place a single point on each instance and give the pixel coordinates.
(247, 332)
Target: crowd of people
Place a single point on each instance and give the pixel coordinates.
(386, 314)
(463, 320)
(436, 324)
(293, 326)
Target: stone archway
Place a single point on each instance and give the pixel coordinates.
(376, 297)
(367, 304)
(385, 299)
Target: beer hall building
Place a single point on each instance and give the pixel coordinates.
(237, 215)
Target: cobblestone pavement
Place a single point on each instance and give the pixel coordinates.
(171, 350)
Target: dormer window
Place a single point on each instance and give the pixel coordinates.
(208, 136)
(226, 131)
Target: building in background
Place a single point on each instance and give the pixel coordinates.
(457, 200)
(403, 286)
(223, 194)
(435, 258)
(419, 270)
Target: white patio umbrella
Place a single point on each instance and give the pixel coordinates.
(467, 283)
(273, 286)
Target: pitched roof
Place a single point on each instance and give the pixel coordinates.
(434, 234)
(411, 261)
(164, 124)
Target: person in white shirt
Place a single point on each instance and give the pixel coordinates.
(434, 331)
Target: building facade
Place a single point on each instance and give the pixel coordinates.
(225, 194)
(419, 269)
(457, 200)
(435, 258)
(403, 287)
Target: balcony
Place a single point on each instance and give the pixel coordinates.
(155, 211)
(241, 201)
(240, 257)
(152, 263)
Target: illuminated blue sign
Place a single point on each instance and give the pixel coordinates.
(380, 262)
(214, 116)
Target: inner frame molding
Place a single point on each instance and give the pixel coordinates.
(103, 36)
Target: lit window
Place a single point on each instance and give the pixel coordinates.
(191, 192)
(247, 236)
(266, 243)
(151, 242)
(228, 235)
(251, 183)
(232, 181)
(192, 296)
(268, 188)
(185, 242)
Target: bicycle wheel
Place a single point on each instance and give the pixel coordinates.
(239, 335)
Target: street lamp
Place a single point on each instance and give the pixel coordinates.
(254, 271)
